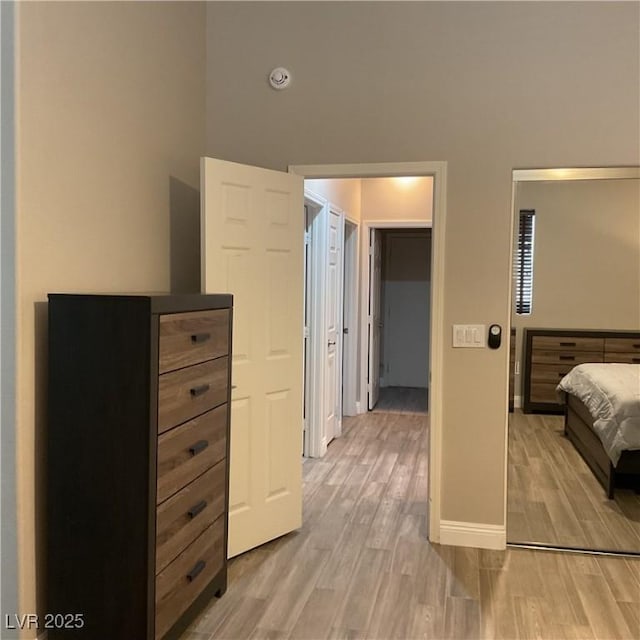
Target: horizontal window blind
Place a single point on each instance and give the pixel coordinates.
(524, 262)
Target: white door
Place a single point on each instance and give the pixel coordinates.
(375, 276)
(334, 305)
(349, 319)
(252, 234)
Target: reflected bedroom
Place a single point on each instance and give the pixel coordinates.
(574, 422)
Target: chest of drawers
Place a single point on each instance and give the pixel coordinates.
(549, 354)
(137, 468)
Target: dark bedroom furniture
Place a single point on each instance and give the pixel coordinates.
(578, 428)
(137, 469)
(549, 354)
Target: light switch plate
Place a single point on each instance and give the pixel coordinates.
(470, 336)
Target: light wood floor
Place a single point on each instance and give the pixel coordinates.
(553, 496)
(361, 566)
(402, 400)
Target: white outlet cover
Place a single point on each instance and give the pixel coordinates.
(470, 336)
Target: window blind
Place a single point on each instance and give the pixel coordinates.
(524, 262)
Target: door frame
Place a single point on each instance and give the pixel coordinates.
(371, 309)
(438, 171)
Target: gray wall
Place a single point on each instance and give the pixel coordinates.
(487, 87)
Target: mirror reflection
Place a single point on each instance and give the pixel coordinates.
(574, 449)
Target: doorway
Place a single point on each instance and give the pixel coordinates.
(404, 294)
(414, 256)
(438, 171)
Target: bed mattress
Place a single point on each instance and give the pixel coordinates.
(611, 393)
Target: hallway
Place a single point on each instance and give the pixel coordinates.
(361, 566)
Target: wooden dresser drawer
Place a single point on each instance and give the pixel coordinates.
(549, 354)
(186, 393)
(622, 345)
(567, 343)
(184, 516)
(550, 373)
(181, 581)
(628, 358)
(188, 450)
(190, 338)
(564, 357)
(544, 392)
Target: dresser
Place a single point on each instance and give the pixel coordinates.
(137, 474)
(549, 354)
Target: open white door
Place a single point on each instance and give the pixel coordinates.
(334, 306)
(375, 277)
(252, 235)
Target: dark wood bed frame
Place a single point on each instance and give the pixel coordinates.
(578, 427)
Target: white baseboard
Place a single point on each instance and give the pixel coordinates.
(359, 408)
(470, 534)
(517, 402)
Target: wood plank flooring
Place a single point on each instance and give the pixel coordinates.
(361, 565)
(554, 498)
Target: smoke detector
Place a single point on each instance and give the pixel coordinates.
(280, 78)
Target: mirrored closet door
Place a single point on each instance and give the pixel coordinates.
(574, 450)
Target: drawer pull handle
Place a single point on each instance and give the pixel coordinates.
(197, 508)
(196, 571)
(635, 359)
(567, 344)
(197, 338)
(198, 391)
(636, 346)
(567, 357)
(198, 447)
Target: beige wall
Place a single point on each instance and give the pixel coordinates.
(344, 193)
(397, 199)
(586, 255)
(110, 130)
(487, 87)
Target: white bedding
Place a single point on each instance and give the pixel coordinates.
(611, 392)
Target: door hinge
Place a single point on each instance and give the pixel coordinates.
(306, 332)
(307, 237)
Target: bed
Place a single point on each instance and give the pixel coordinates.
(602, 420)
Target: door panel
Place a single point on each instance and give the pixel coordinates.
(333, 377)
(375, 277)
(252, 246)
